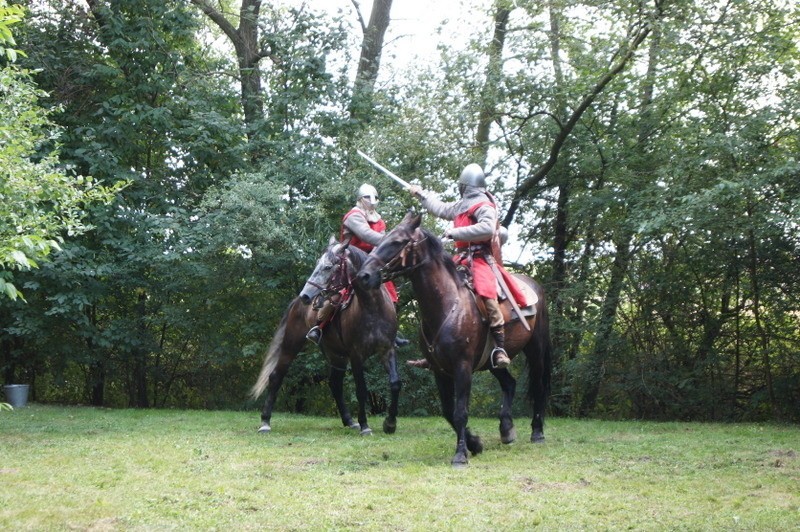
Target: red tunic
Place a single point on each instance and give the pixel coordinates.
(482, 275)
(379, 227)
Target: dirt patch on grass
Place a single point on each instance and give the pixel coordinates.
(533, 485)
(780, 457)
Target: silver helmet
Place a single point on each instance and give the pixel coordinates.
(471, 176)
(367, 196)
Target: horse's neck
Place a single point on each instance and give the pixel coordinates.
(368, 300)
(437, 292)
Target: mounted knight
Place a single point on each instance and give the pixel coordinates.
(477, 239)
(363, 228)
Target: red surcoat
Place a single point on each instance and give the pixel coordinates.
(378, 226)
(482, 276)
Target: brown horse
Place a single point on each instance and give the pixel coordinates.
(364, 325)
(453, 333)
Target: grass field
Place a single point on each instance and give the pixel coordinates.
(97, 469)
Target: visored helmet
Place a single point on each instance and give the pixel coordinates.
(471, 176)
(367, 196)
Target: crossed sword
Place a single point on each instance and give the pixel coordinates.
(489, 259)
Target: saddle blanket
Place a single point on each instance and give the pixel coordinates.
(530, 297)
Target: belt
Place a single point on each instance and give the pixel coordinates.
(475, 248)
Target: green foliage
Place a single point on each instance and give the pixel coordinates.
(9, 15)
(41, 201)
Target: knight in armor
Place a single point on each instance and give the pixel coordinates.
(474, 229)
(364, 228)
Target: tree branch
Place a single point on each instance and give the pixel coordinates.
(567, 128)
(219, 19)
(360, 17)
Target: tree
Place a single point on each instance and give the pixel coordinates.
(42, 201)
(369, 63)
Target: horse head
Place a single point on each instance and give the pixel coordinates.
(394, 255)
(330, 272)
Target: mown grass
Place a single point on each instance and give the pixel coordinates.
(86, 468)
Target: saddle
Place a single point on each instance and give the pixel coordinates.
(505, 306)
(338, 300)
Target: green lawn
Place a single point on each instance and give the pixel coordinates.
(85, 468)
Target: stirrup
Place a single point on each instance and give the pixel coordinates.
(314, 334)
(499, 365)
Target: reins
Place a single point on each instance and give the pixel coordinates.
(340, 281)
(408, 251)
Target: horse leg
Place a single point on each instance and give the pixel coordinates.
(390, 423)
(508, 386)
(447, 394)
(362, 394)
(275, 381)
(336, 384)
(463, 390)
(537, 391)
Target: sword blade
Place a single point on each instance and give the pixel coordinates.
(508, 293)
(386, 171)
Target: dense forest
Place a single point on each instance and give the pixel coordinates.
(170, 170)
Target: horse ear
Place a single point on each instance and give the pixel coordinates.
(346, 244)
(332, 240)
(412, 219)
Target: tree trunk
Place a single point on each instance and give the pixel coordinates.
(591, 373)
(494, 72)
(590, 376)
(245, 41)
(97, 370)
(140, 357)
(559, 175)
(97, 383)
(369, 63)
(756, 308)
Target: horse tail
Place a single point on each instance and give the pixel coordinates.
(540, 359)
(271, 358)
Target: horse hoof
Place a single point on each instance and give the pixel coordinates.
(474, 444)
(459, 462)
(509, 437)
(265, 429)
(537, 437)
(354, 425)
(389, 427)
(366, 432)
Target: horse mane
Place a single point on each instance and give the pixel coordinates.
(439, 254)
(357, 257)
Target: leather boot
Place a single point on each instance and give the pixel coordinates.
(499, 357)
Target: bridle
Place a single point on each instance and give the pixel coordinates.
(341, 279)
(404, 262)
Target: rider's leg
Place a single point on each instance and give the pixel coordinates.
(323, 315)
(399, 341)
(500, 358)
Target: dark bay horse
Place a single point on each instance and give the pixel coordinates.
(453, 333)
(365, 325)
